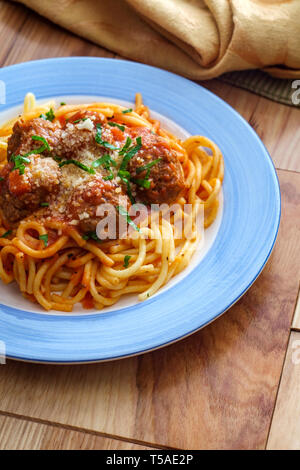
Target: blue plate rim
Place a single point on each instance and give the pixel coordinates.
(250, 129)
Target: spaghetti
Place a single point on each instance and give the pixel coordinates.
(58, 264)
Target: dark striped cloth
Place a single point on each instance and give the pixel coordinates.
(259, 82)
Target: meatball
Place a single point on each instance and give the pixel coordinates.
(21, 141)
(88, 197)
(166, 176)
(22, 194)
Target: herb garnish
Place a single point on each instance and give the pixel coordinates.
(44, 238)
(79, 164)
(115, 124)
(126, 146)
(126, 261)
(98, 139)
(127, 111)
(106, 161)
(148, 167)
(145, 183)
(78, 120)
(91, 236)
(1, 178)
(63, 104)
(6, 234)
(40, 149)
(49, 116)
(19, 162)
(124, 213)
(44, 204)
(130, 153)
(125, 177)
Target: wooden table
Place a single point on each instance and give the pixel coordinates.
(233, 385)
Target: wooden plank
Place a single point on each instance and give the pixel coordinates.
(285, 429)
(276, 124)
(34, 37)
(20, 434)
(12, 18)
(214, 390)
(296, 320)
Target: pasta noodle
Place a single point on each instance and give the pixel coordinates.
(71, 269)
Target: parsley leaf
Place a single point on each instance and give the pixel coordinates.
(44, 238)
(103, 143)
(125, 177)
(41, 149)
(78, 120)
(106, 161)
(144, 183)
(49, 116)
(130, 153)
(127, 111)
(91, 236)
(122, 211)
(126, 146)
(115, 124)
(44, 204)
(79, 164)
(126, 261)
(6, 234)
(148, 166)
(19, 163)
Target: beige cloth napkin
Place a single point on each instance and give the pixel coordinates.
(200, 39)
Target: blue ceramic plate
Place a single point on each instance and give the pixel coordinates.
(243, 236)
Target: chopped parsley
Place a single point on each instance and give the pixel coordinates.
(91, 236)
(122, 211)
(49, 116)
(44, 204)
(126, 146)
(130, 153)
(106, 161)
(115, 124)
(126, 261)
(125, 177)
(44, 238)
(79, 164)
(78, 120)
(148, 167)
(144, 183)
(19, 163)
(100, 141)
(21, 160)
(127, 111)
(41, 149)
(1, 178)
(6, 234)
(63, 104)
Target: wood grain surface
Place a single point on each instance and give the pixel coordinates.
(27, 435)
(285, 429)
(214, 390)
(296, 320)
